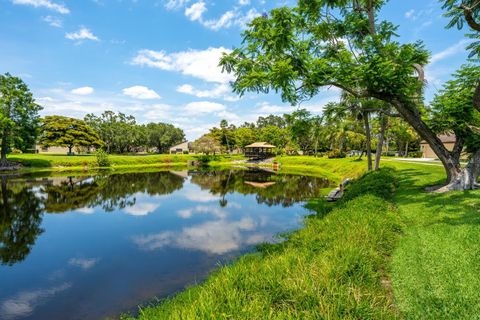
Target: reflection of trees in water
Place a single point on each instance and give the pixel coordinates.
(111, 192)
(20, 218)
(286, 190)
(23, 202)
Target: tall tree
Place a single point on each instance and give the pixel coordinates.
(68, 132)
(298, 50)
(298, 123)
(19, 118)
(162, 136)
(207, 144)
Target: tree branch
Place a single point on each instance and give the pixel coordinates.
(468, 13)
(476, 98)
(458, 148)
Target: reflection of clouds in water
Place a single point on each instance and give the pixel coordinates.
(85, 210)
(216, 237)
(201, 196)
(234, 205)
(141, 209)
(215, 211)
(24, 303)
(84, 263)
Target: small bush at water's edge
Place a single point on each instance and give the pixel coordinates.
(102, 159)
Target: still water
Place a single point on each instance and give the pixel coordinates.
(89, 247)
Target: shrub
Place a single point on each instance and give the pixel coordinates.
(336, 154)
(416, 154)
(381, 183)
(102, 159)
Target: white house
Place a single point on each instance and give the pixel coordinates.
(184, 147)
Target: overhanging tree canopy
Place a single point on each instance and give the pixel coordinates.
(298, 50)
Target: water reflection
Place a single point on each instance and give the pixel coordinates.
(115, 241)
(20, 219)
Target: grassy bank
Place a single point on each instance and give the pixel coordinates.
(47, 162)
(436, 263)
(336, 170)
(335, 267)
(412, 256)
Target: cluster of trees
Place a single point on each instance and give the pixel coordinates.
(116, 133)
(21, 127)
(121, 133)
(340, 129)
(298, 50)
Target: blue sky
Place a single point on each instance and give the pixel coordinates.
(156, 59)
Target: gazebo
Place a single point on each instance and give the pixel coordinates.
(259, 150)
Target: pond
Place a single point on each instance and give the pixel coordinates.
(89, 247)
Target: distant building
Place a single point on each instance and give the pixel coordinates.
(259, 150)
(185, 147)
(50, 150)
(448, 141)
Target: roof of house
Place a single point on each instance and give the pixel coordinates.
(260, 145)
(261, 185)
(183, 145)
(445, 138)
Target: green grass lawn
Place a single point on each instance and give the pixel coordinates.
(61, 162)
(436, 264)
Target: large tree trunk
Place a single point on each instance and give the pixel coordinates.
(467, 179)
(409, 114)
(381, 139)
(4, 148)
(368, 134)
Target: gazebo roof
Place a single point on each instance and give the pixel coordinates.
(260, 145)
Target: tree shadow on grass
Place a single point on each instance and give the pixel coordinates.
(454, 208)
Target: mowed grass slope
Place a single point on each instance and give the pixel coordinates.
(39, 161)
(436, 265)
(336, 267)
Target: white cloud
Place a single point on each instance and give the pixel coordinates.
(228, 19)
(53, 21)
(243, 19)
(213, 210)
(175, 4)
(60, 8)
(85, 210)
(195, 11)
(201, 196)
(203, 107)
(83, 91)
(141, 92)
(82, 34)
(83, 263)
(450, 51)
(410, 14)
(141, 209)
(219, 91)
(24, 303)
(243, 2)
(201, 64)
(216, 237)
(225, 21)
(265, 107)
